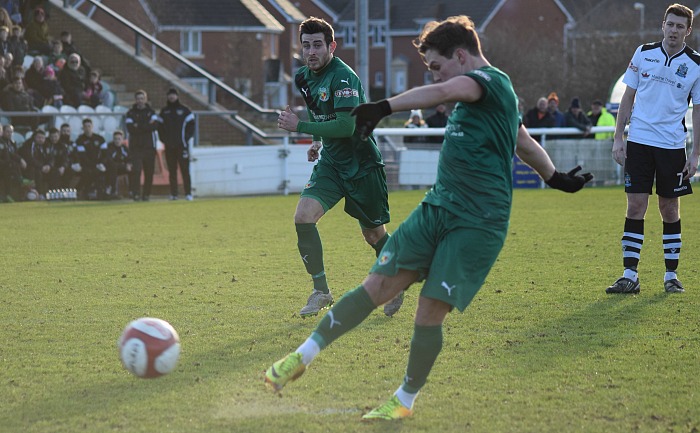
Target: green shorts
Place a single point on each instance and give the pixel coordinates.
(366, 198)
(451, 254)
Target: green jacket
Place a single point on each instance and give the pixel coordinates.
(605, 119)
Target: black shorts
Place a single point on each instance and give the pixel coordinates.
(646, 163)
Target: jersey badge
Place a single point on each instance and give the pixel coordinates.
(323, 94)
(483, 75)
(385, 258)
(682, 71)
(347, 93)
(309, 184)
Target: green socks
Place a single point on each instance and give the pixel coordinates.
(311, 251)
(426, 345)
(348, 312)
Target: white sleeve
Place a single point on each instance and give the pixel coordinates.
(631, 77)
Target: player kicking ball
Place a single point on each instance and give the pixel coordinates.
(452, 239)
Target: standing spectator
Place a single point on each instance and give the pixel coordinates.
(175, 130)
(117, 162)
(17, 45)
(142, 122)
(12, 166)
(4, 40)
(539, 117)
(15, 98)
(437, 120)
(576, 118)
(349, 167)
(72, 79)
(600, 116)
(553, 108)
(656, 143)
(89, 144)
(415, 121)
(37, 33)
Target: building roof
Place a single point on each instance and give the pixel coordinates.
(212, 13)
(287, 8)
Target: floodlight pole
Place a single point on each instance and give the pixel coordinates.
(362, 43)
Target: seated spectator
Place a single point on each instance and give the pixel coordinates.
(599, 116)
(51, 90)
(415, 121)
(58, 150)
(437, 120)
(70, 48)
(93, 95)
(12, 8)
(4, 40)
(17, 45)
(36, 33)
(56, 59)
(15, 98)
(91, 185)
(576, 118)
(72, 79)
(539, 117)
(34, 75)
(116, 160)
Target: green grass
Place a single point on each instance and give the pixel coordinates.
(541, 348)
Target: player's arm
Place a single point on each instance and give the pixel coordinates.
(691, 165)
(532, 154)
(342, 126)
(619, 151)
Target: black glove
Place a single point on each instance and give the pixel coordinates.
(368, 115)
(569, 182)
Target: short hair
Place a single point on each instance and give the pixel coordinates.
(65, 125)
(140, 92)
(8, 126)
(313, 25)
(117, 132)
(87, 120)
(54, 130)
(681, 11)
(446, 36)
(39, 131)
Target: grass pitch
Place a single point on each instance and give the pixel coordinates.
(541, 349)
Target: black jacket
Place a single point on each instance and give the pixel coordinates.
(142, 124)
(176, 125)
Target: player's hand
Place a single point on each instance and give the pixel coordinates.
(367, 116)
(287, 120)
(691, 166)
(313, 153)
(619, 152)
(569, 182)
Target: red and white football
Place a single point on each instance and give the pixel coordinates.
(149, 347)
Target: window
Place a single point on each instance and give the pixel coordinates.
(399, 82)
(349, 35)
(378, 35)
(201, 85)
(379, 79)
(191, 43)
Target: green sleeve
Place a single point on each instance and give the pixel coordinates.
(342, 126)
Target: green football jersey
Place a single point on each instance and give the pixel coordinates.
(475, 179)
(334, 89)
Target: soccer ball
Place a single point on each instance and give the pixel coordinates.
(149, 347)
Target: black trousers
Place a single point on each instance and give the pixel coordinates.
(173, 158)
(142, 161)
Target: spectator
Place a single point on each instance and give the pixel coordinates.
(3, 75)
(117, 162)
(15, 98)
(176, 128)
(599, 116)
(141, 122)
(60, 159)
(11, 167)
(90, 144)
(12, 8)
(51, 90)
(34, 75)
(56, 59)
(5, 20)
(69, 48)
(40, 160)
(539, 117)
(94, 92)
(76, 158)
(37, 33)
(4, 40)
(72, 79)
(576, 118)
(553, 108)
(415, 121)
(17, 45)
(437, 120)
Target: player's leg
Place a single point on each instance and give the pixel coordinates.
(670, 185)
(149, 168)
(345, 315)
(639, 177)
(171, 157)
(320, 194)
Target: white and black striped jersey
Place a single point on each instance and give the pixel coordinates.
(665, 85)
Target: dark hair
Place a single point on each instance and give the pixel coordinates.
(140, 92)
(63, 125)
(87, 120)
(39, 132)
(54, 131)
(313, 25)
(681, 11)
(446, 36)
(117, 132)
